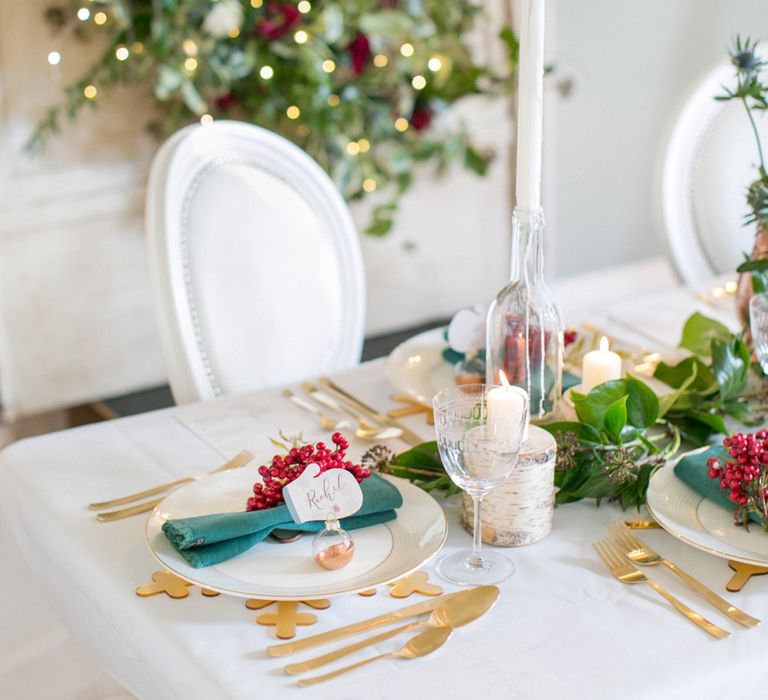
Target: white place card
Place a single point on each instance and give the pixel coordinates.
(317, 495)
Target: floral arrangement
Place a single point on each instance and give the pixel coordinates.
(745, 475)
(289, 466)
(357, 84)
(752, 92)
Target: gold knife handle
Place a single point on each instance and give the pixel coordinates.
(408, 436)
(692, 615)
(141, 495)
(317, 640)
(112, 515)
(239, 460)
(304, 682)
(310, 664)
(365, 408)
(720, 603)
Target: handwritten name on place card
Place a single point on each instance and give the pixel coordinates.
(321, 496)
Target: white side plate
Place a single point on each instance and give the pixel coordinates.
(288, 571)
(416, 367)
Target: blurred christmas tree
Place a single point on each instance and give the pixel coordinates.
(356, 83)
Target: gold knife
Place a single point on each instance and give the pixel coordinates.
(408, 435)
(317, 640)
(112, 515)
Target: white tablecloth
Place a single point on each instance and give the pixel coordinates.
(563, 628)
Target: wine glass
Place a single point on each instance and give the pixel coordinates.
(758, 326)
(479, 429)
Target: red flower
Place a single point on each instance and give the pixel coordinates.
(570, 336)
(278, 20)
(360, 52)
(421, 118)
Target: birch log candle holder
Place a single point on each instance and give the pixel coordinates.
(520, 511)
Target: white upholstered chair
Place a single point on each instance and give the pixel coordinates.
(255, 262)
(708, 162)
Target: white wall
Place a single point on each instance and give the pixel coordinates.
(631, 61)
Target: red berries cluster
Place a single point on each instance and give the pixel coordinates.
(285, 468)
(744, 476)
(570, 336)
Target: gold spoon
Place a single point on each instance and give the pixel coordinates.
(326, 422)
(454, 612)
(422, 644)
(364, 430)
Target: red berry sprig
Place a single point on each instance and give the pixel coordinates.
(745, 475)
(285, 468)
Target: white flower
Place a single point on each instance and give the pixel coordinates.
(225, 16)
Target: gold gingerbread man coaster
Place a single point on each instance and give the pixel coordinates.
(744, 572)
(171, 585)
(415, 582)
(165, 582)
(287, 616)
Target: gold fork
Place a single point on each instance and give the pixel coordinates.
(623, 570)
(640, 553)
(239, 460)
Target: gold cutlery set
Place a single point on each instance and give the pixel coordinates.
(108, 515)
(349, 412)
(446, 613)
(623, 549)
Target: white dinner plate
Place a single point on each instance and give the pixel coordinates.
(416, 367)
(275, 571)
(701, 523)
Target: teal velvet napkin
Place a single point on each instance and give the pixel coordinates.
(692, 470)
(205, 540)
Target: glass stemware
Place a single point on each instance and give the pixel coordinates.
(479, 430)
(758, 326)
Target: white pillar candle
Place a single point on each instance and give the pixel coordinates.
(599, 366)
(530, 96)
(506, 405)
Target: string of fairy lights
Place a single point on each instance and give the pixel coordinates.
(266, 72)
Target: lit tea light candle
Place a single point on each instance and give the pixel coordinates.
(599, 366)
(505, 405)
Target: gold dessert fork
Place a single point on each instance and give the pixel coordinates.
(623, 570)
(640, 553)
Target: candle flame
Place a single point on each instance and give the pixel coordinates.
(604, 344)
(503, 378)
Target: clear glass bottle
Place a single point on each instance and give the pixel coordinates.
(524, 333)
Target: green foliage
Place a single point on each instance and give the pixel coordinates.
(624, 430)
(422, 466)
(611, 451)
(710, 383)
(365, 123)
(699, 331)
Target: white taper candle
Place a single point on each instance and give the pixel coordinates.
(530, 104)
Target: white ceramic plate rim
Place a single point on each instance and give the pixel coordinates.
(680, 518)
(432, 341)
(382, 573)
